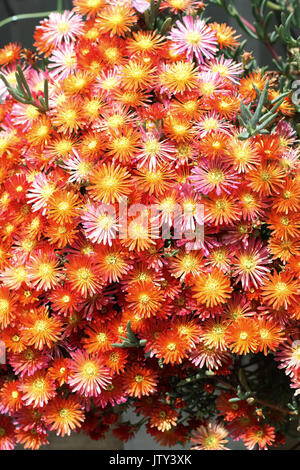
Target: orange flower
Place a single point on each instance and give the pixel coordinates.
(178, 77)
(266, 179)
(63, 206)
(212, 288)
(281, 290)
(116, 19)
(32, 439)
(109, 184)
(261, 435)
(284, 226)
(83, 276)
(221, 209)
(242, 336)
(214, 333)
(7, 306)
(140, 381)
(59, 371)
(211, 437)
(111, 263)
(39, 329)
(137, 74)
(38, 389)
(10, 397)
(9, 53)
(68, 116)
(116, 360)
(270, 335)
(145, 43)
(225, 35)
(63, 415)
(43, 270)
(98, 338)
(186, 263)
(163, 417)
(247, 89)
(145, 298)
(172, 347)
(40, 131)
(88, 7)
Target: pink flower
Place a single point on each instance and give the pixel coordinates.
(63, 61)
(61, 27)
(226, 68)
(249, 265)
(100, 224)
(154, 152)
(193, 37)
(89, 375)
(141, 5)
(210, 176)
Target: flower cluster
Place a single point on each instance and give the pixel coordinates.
(91, 319)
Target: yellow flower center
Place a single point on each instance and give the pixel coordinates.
(243, 335)
(188, 262)
(39, 384)
(284, 221)
(111, 259)
(264, 334)
(101, 338)
(248, 263)
(63, 413)
(4, 306)
(63, 27)
(139, 378)
(90, 369)
(281, 287)
(152, 147)
(83, 274)
(193, 37)
(45, 270)
(40, 326)
(211, 441)
(144, 298)
(215, 176)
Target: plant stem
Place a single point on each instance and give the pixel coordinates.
(273, 407)
(273, 6)
(294, 447)
(257, 400)
(24, 16)
(59, 6)
(140, 423)
(272, 50)
(249, 25)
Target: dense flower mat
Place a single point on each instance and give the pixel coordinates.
(127, 101)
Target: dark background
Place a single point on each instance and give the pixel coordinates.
(22, 31)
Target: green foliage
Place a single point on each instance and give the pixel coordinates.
(131, 341)
(23, 94)
(274, 23)
(257, 122)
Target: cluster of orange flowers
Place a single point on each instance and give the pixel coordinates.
(151, 118)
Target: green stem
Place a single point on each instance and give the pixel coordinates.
(59, 7)
(24, 16)
(140, 423)
(273, 6)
